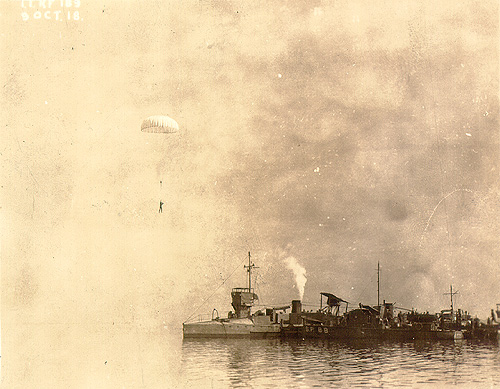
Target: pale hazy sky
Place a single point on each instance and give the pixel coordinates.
(339, 133)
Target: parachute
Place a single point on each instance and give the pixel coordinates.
(159, 124)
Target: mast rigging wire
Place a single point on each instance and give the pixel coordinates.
(209, 297)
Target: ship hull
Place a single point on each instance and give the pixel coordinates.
(237, 328)
(349, 333)
(484, 332)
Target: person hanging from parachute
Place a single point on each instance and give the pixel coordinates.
(161, 125)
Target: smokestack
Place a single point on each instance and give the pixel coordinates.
(296, 306)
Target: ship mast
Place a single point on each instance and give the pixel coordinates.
(451, 298)
(378, 284)
(249, 270)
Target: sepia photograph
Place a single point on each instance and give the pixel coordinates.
(250, 194)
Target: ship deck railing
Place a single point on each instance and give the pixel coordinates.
(243, 290)
(200, 318)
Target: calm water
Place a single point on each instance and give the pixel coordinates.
(318, 363)
(108, 355)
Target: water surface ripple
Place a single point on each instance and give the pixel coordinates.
(247, 363)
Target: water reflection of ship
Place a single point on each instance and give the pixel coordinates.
(241, 322)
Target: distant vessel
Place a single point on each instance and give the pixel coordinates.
(240, 323)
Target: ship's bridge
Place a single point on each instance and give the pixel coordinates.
(242, 301)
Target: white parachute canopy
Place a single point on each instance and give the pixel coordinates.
(159, 124)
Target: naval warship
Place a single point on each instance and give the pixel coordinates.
(241, 323)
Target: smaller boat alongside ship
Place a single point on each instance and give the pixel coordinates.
(241, 323)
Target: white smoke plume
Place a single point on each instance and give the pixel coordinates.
(300, 274)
